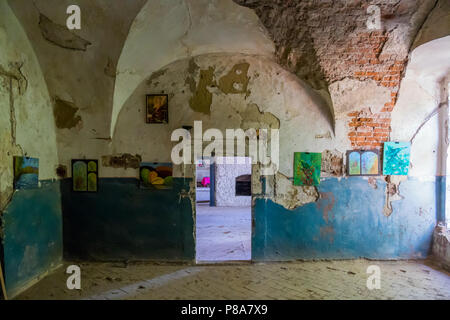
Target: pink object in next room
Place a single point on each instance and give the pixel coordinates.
(206, 181)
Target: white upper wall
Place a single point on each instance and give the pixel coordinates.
(415, 115)
(169, 30)
(26, 116)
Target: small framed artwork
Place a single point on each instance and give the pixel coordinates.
(363, 163)
(156, 175)
(26, 173)
(307, 167)
(157, 108)
(85, 175)
(396, 158)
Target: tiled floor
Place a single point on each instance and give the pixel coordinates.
(297, 280)
(223, 233)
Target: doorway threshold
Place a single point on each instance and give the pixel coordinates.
(223, 262)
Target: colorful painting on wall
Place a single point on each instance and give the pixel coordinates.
(85, 175)
(156, 175)
(363, 163)
(26, 173)
(307, 168)
(354, 163)
(396, 158)
(157, 108)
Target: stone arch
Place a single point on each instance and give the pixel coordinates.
(273, 98)
(423, 106)
(169, 30)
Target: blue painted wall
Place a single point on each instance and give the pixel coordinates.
(123, 222)
(348, 222)
(32, 242)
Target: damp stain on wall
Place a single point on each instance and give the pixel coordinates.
(60, 35)
(252, 117)
(65, 114)
(236, 81)
(202, 99)
(155, 75)
(125, 161)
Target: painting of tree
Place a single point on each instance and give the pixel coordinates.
(307, 167)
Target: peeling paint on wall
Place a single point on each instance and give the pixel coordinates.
(372, 182)
(14, 72)
(327, 232)
(441, 245)
(326, 205)
(323, 135)
(202, 99)
(60, 35)
(110, 68)
(236, 81)
(122, 161)
(290, 196)
(65, 114)
(332, 163)
(155, 75)
(252, 117)
(61, 171)
(9, 144)
(351, 94)
(392, 192)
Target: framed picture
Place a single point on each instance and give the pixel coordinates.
(307, 167)
(396, 158)
(85, 175)
(26, 173)
(156, 175)
(363, 163)
(157, 108)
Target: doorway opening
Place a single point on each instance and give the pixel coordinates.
(223, 209)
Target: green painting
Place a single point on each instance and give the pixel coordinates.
(307, 168)
(85, 175)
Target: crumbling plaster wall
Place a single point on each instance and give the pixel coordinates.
(441, 246)
(79, 66)
(170, 30)
(312, 69)
(31, 226)
(26, 119)
(358, 71)
(355, 71)
(423, 106)
(274, 98)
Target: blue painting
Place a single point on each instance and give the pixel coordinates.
(26, 173)
(396, 158)
(363, 162)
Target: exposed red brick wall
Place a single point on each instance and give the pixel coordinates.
(323, 42)
(368, 130)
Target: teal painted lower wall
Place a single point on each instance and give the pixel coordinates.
(123, 222)
(32, 243)
(348, 222)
